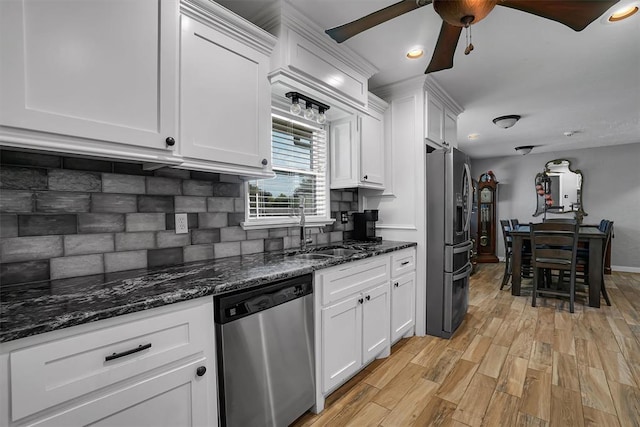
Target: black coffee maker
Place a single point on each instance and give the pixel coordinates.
(364, 226)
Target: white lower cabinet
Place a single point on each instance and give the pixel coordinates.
(152, 368)
(403, 293)
(353, 327)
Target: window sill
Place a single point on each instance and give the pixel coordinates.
(285, 222)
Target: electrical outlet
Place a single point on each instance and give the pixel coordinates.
(344, 217)
(182, 223)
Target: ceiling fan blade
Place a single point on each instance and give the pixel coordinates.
(445, 48)
(353, 28)
(575, 14)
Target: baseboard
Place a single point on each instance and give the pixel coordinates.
(625, 269)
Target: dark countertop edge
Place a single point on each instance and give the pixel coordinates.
(194, 292)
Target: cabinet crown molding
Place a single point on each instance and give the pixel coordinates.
(433, 88)
(377, 104)
(230, 24)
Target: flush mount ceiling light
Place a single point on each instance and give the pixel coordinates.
(506, 122)
(524, 150)
(623, 13)
(473, 136)
(309, 114)
(415, 53)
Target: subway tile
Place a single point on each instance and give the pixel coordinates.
(16, 201)
(347, 196)
(70, 180)
(74, 266)
(116, 203)
(145, 222)
(164, 257)
(21, 158)
(122, 261)
(8, 225)
(251, 246)
(238, 205)
(23, 272)
(345, 206)
(291, 242)
(62, 202)
(220, 204)
(334, 206)
(18, 249)
(205, 176)
(336, 236)
(211, 235)
(155, 204)
(257, 234)
(118, 183)
(197, 188)
(198, 253)
(173, 173)
(190, 204)
(42, 225)
(169, 239)
(224, 250)
(212, 220)
(82, 244)
(234, 219)
(232, 234)
(278, 232)
(134, 241)
(223, 189)
(192, 221)
(322, 238)
(163, 186)
(101, 223)
(294, 231)
(130, 169)
(83, 164)
(354, 206)
(234, 179)
(15, 178)
(275, 244)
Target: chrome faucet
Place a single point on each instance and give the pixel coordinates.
(303, 235)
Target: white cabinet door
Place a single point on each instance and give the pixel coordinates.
(341, 341)
(225, 101)
(434, 122)
(99, 70)
(403, 292)
(178, 397)
(344, 153)
(372, 152)
(375, 321)
(450, 128)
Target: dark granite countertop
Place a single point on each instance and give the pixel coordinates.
(31, 309)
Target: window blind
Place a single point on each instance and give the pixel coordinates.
(299, 158)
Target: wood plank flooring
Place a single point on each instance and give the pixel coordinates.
(509, 364)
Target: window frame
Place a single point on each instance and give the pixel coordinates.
(293, 220)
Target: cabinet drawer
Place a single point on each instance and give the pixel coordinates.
(54, 372)
(340, 282)
(403, 262)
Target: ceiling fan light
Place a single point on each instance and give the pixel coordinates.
(524, 150)
(505, 122)
(624, 13)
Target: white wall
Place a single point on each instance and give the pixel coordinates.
(611, 189)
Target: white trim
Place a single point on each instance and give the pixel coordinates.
(625, 269)
(396, 227)
(285, 222)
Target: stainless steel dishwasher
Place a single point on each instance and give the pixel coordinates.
(265, 353)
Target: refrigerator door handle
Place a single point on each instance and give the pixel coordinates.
(463, 273)
(463, 248)
(467, 224)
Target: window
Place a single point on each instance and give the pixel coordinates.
(299, 158)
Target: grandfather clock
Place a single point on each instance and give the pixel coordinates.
(486, 243)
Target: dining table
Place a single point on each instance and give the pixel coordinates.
(593, 237)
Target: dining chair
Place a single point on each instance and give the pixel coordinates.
(508, 251)
(525, 255)
(554, 246)
(606, 227)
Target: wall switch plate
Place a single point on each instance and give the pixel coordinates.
(182, 223)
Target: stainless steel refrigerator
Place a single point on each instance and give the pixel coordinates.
(449, 204)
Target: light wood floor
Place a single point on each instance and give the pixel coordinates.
(509, 364)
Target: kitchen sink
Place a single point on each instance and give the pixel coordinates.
(337, 252)
(314, 256)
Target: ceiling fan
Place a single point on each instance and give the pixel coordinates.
(459, 14)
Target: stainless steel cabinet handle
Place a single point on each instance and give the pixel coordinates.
(360, 300)
(368, 298)
(396, 284)
(128, 352)
(405, 262)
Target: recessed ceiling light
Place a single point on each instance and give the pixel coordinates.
(473, 136)
(623, 13)
(415, 53)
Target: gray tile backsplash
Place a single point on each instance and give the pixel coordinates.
(63, 217)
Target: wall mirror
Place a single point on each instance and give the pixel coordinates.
(559, 190)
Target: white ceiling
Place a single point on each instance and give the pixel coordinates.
(557, 79)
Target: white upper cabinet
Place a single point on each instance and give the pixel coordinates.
(90, 77)
(225, 94)
(441, 121)
(357, 149)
